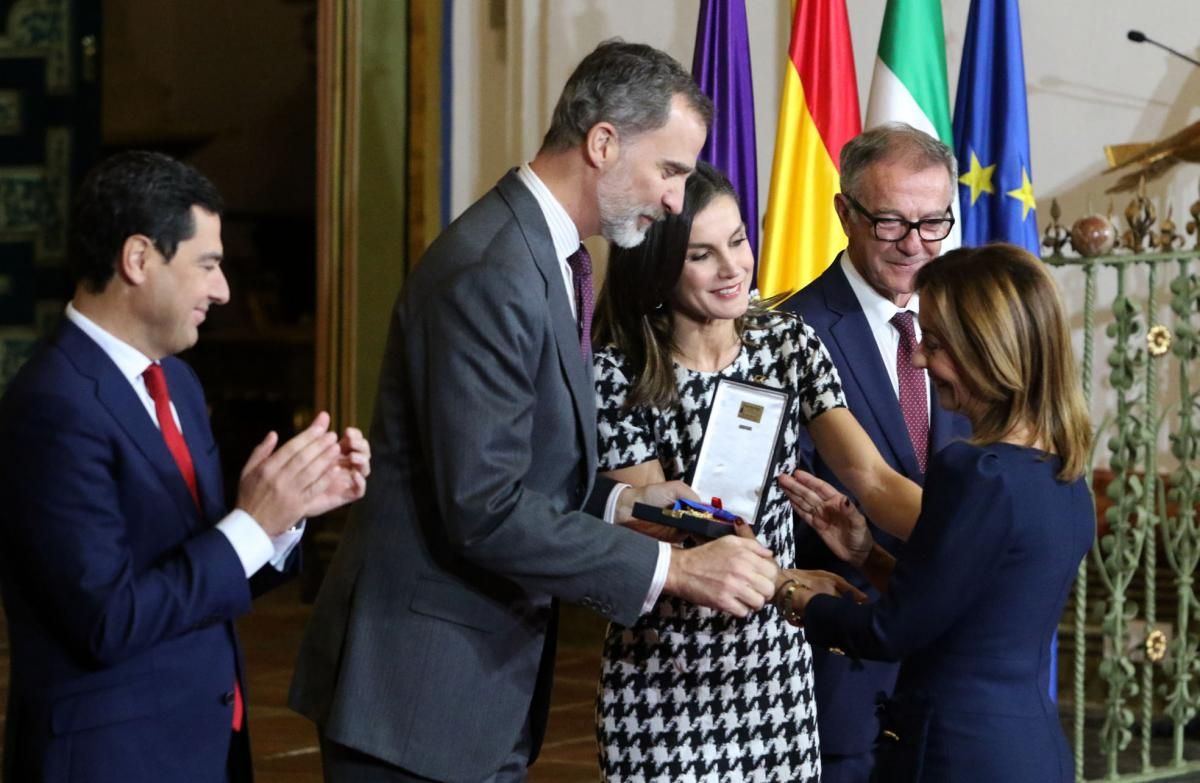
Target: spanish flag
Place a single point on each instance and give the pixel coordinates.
(818, 113)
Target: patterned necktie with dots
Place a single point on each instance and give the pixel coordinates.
(581, 270)
(913, 403)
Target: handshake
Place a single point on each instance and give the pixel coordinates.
(734, 574)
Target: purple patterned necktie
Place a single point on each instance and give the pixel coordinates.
(913, 402)
(581, 270)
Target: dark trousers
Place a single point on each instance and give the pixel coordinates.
(347, 765)
(237, 764)
(855, 768)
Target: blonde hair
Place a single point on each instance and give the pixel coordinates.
(999, 315)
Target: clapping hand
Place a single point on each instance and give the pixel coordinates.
(278, 485)
(311, 474)
(346, 478)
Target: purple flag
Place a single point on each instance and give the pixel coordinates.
(721, 66)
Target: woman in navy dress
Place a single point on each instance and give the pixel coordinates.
(972, 603)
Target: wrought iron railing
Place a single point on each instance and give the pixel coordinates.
(1148, 677)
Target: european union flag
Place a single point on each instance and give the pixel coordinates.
(991, 130)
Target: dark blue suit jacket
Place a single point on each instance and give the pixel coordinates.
(846, 689)
(120, 594)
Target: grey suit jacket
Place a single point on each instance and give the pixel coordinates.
(431, 641)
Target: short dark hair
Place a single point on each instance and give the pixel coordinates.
(132, 193)
(629, 85)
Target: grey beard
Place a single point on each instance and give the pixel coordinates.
(623, 232)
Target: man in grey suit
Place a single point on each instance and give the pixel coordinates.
(896, 189)
(430, 651)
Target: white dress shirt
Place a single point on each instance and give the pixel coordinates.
(879, 311)
(565, 236)
(253, 546)
(563, 232)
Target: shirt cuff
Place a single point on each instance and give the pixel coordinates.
(284, 543)
(251, 543)
(610, 508)
(660, 576)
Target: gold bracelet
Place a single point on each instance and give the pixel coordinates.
(792, 614)
(784, 594)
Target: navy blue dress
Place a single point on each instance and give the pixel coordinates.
(970, 610)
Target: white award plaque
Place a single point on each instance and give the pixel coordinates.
(738, 448)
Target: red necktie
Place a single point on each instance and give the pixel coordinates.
(913, 402)
(581, 269)
(156, 384)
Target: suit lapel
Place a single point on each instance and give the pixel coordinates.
(564, 326)
(188, 399)
(115, 394)
(865, 367)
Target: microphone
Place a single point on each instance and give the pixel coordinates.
(1137, 36)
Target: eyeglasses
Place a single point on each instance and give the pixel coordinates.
(893, 229)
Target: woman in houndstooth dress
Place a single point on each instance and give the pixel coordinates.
(688, 693)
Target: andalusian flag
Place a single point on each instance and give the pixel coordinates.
(909, 84)
(818, 113)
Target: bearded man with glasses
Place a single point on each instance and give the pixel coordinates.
(897, 185)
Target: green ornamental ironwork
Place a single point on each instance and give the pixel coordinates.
(1149, 670)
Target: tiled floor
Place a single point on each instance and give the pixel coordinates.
(285, 745)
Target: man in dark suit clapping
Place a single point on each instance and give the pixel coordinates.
(121, 568)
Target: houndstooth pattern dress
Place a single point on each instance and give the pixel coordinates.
(689, 693)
